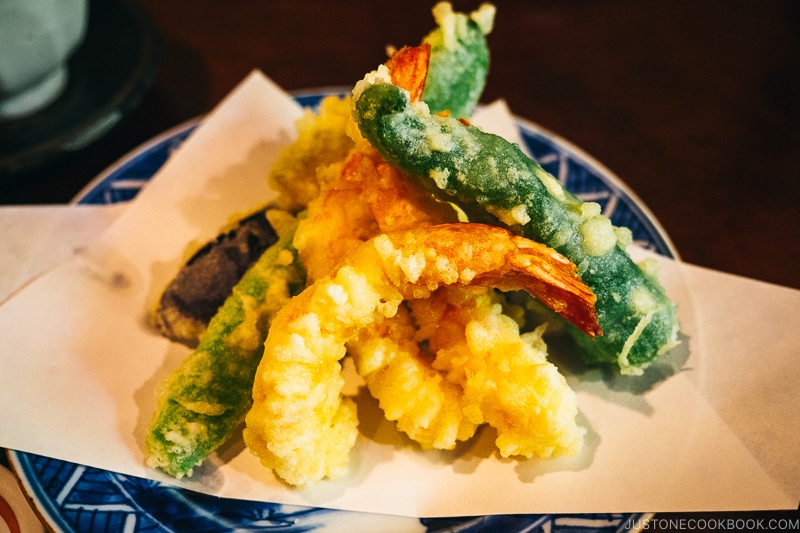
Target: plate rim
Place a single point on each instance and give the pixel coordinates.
(581, 154)
(131, 155)
(41, 507)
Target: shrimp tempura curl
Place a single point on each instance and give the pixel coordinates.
(300, 425)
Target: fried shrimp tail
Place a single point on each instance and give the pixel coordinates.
(492, 181)
(409, 68)
(478, 254)
(300, 425)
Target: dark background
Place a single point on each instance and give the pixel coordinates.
(695, 104)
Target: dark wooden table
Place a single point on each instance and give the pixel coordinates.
(694, 103)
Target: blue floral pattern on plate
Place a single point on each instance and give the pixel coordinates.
(77, 498)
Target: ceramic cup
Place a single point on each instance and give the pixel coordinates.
(37, 37)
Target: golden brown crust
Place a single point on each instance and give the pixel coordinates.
(489, 255)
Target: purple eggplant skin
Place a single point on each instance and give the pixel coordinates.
(193, 297)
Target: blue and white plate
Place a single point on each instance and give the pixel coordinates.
(76, 498)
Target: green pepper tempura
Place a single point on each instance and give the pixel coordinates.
(208, 396)
(459, 59)
(493, 180)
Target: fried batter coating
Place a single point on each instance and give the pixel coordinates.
(395, 371)
(204, 400)
(459, 59)
(300, 425)
(505, 376)
(479, 254)
(321, 141)
(364, 196)
(493, 181)
(528, 401)
(361, 197)
(338, 220)
(409, 390)
(397, 203)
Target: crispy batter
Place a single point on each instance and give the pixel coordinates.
(399, 375)
(366, 191)
(489, 255)
(397, 203)
(321, 141)
(337, 220)
(361, 197)
(431, 410)
(478, 369)
(300, 425)
(505, 377)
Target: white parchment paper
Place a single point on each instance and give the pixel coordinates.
(712, 426)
